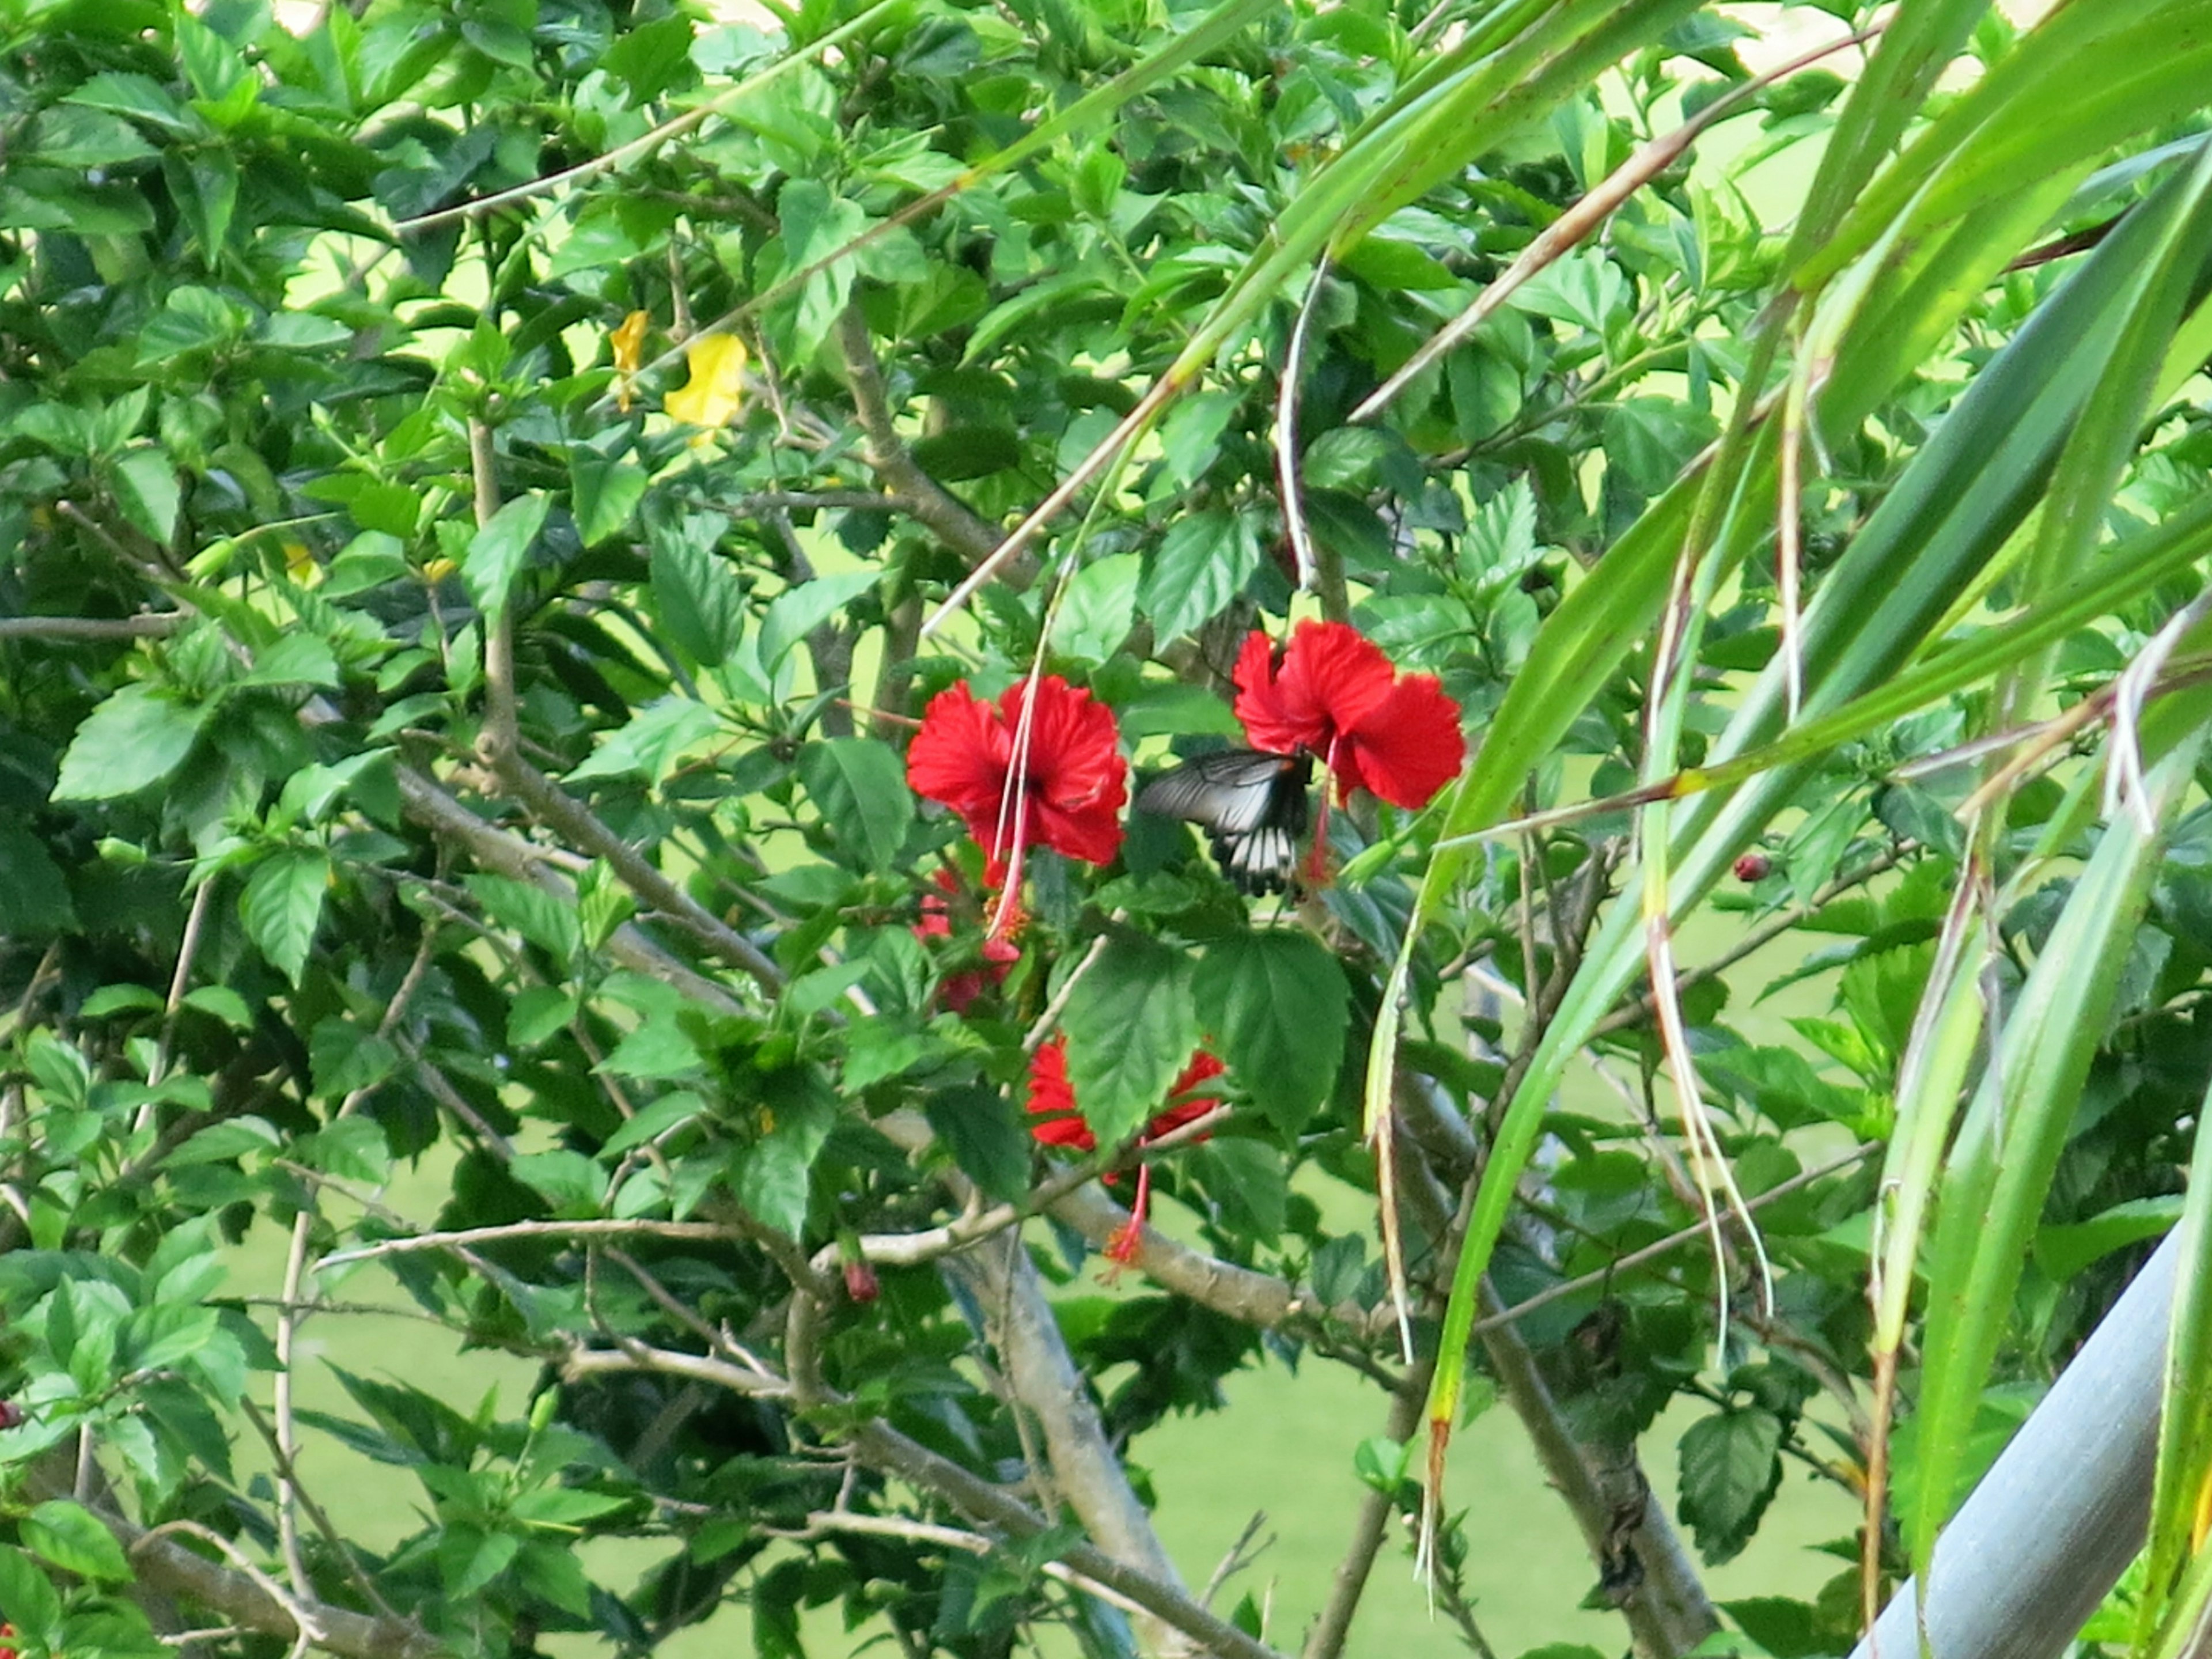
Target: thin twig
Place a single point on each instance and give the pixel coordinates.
(152, 626)
(187, 952)
(306, 1624)
(645, 143)
(1673, 1241)
(315, 1513)
(501, 734)
(469, 1237)
(1369, 1529)
(1238, 1558)
(578, 825)
(914, 491)
(926, 1532)
(1582, 219)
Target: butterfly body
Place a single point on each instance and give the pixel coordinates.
(1252, 806)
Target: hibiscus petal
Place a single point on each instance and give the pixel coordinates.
(1203, 1066)
(1052, 1101)
(959, 758)
(1332, 668)
(1408, 747)
(1270, 722)
(1077, 777)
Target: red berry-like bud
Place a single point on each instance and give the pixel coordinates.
(11, 1416)
(1754, 866)
(861, 1282)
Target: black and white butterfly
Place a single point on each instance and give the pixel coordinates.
(1252, 806)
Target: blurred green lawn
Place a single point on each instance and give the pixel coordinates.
(1284, 1447)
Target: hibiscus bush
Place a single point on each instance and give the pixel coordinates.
(884, 737)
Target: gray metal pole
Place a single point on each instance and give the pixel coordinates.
(2057, 1520)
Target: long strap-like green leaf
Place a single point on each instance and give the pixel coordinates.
(1955, 506)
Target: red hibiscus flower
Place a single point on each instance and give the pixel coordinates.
(1064, 792)
(1052, 1101)
(958, 990)
(1061, 1123)
(1334, 695)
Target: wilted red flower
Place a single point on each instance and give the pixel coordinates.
(1061, 1123)
(958, 990)
(860, 1281)
(1068, 791)
(1754, 866)
(1334, 696)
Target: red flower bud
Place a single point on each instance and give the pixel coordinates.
(1754, 866)
(11, 1416)
(861, 1282)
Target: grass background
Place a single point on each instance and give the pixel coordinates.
(1283, 1449)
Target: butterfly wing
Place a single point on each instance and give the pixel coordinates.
(1252, 806)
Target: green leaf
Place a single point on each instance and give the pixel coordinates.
(295, 660)
(651, 743)
(470, 1559)
(112, 999)
(569, 1181)
(1201, 563)
(223, 1003)
(774, 1173)
(537, 1011)
(70, 1537)
(1382, 1462)
(603, 495)
(545, 919)
(498, 551)
(139, 96)
(131, 742)
(553, 1572)
(1275, 1007)
(71, 135)
(649, 58)
(1731, 1465)
(1190, 436)
(985, 1135)
(344, 1056)
(146, 490)
(1175, 710)
(798, 611)
(1131, 1028)
(859, 785)
(2062, 1251)
(29, 1599)
(282, 905)
(35, 894)
(219, 1143)
(656, 1120)
(1098, 608)
(696, 595)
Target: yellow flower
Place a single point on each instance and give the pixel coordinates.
(300, 564)
(628, 344)
(716, 387)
